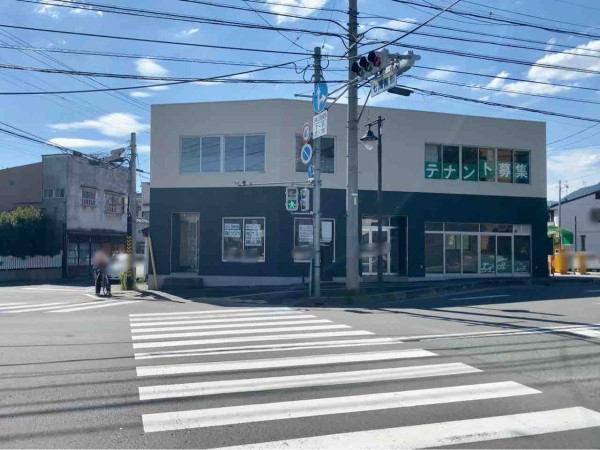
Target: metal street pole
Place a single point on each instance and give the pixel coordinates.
(352, 219)
(379, 204)
(317, 189)
(132, 212)
(559, 213)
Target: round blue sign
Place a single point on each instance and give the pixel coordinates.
(311, 171)
(320, 97)
(306, 153)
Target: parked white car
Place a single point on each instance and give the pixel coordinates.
(118, 265)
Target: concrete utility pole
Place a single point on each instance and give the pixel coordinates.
(352, 219)
(131, 214)
(317, 189)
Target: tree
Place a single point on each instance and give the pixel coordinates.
(27, 232)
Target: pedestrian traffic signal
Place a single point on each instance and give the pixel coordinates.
(291, 199)
(304, 199)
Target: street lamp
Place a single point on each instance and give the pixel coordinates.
(369, 140)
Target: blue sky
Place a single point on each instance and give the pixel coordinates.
(95, 122)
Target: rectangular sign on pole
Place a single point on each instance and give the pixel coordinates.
(320, 125)
(384, 82)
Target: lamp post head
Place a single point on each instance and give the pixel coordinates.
(369, 139)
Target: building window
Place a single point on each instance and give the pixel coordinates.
(244, 239)
(521, 165)
(327, 147)
(433, 161)
(522, 253)
(218, 154)
(487, 164)
(88, 197)
(434, 253)
(505, 166)
(115, 203)
(54, 193)
(450, 162)
(470, 159)
(583, 236)
(84, 254)
(73, 254)
(304, 237)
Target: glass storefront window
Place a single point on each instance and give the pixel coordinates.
(434, 226)
(522, 254)
(487, 164)
(496, 228)
(505, 166)
(504, 254)
(433, 161)
(185, 242)
(450, 162)
(470, 252)
(453, 256)
(488, 255)
(469, 168)
(521, 172)
(450, 226)
(434, 253)
(244, 239)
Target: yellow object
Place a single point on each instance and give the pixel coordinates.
(561, 261)
(580, 263)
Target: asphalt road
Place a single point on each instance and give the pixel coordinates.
(508, 367)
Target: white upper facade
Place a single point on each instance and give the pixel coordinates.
(224, 129)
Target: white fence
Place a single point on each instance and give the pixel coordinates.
(30, 262)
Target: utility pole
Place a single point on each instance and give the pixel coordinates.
(132, 207)
(317, 189)
(379, 203)
(559, 213)
(352, 219)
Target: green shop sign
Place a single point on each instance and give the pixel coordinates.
(450, 171)
(433, 170)
(469, 172)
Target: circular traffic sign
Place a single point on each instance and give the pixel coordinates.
(320, 96)
(306, 133)
(311, 172)
(306, 153)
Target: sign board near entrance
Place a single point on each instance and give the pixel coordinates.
(232, 230)
(320, 125)
(305, 234)
(252, 235)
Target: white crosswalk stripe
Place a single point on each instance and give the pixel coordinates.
(103, 305)
(234, 335)
(224, 326)
(297, 381)
(63, 307)
(30, 306)
(266, 348)
(302, 361)
(231, 415)
(456, 432)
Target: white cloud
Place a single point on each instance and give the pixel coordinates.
(499, 81)
(53, 9)
(114, 125)
(573, 164)
(394, 25)
(188, 32)
(287, 7)
(140, 94)
(143, 149)
(83, 143)
(550, 43)
(440, 73)
(158, 88)
(149, 68)
(580, 60)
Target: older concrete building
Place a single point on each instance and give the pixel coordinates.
(87, 202)
(463, 195)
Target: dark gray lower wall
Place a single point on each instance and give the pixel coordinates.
(30, 275)
(215, 203)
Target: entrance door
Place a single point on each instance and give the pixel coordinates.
(369, 239)
(185, 239)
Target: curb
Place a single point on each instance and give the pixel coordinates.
(158, 295)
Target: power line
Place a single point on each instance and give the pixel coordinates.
(154, 41)
(577, 4)
(502, 105)
(464, 13)
(574, 134)
(506, 91)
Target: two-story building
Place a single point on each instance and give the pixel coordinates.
(463, 196)
(88, 204)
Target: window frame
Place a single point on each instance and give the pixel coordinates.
(119, 206)
(324, 219)
(222, 138)
(89, 204)
(297, 150)
(243, 238)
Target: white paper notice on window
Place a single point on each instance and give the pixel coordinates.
(232, 230)
(252, 235)
(305, 234)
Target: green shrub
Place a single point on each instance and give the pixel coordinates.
(27, 232)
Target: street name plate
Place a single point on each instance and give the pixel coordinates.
(384, 82)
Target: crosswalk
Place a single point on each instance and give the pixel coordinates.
(60, 307)
(289, 365)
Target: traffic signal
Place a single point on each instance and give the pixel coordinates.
(372, 63)
(304, 199)
(291, 199)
